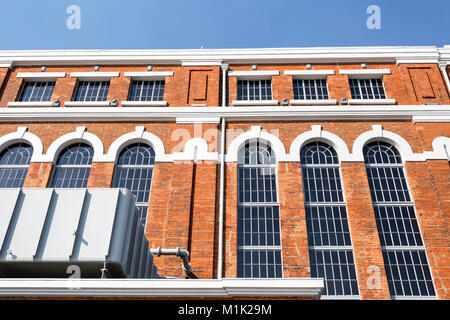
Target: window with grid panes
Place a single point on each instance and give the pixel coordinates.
(403, 250)
(310, 89)
(143, 90)
(90, 91)
(367, 88)
(73, 166)
(330, 246)
(36, 91)
(134, 171)
(14, 163)
(254, 90)
(258, 228)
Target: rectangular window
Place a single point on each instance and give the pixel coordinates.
(254, 90)
(142, 90)
(367, 89)
(91, 91)
(37, 91)
(314, 89)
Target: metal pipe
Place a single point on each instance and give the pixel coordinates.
(222, 172)
(183, 254)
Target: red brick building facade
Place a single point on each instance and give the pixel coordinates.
(194, 197)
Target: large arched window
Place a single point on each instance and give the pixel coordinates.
(258, 228)
(134, 171)
(14, 163)
(73, 166)
(403, 250)
(329, 241)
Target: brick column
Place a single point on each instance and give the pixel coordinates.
(230, 222)
(38, 175)
(368, 257)
(431, 219)
(174, 218)
(293, 222)
(119, 88)
(440, 173)
(3, 74)
(201, 242)
(64, 89)
(338, 86)
(101, 175)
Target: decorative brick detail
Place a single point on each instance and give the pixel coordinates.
(101, 175)
(38, 175)
(369, 262)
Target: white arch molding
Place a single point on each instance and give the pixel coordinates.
(139, 135)
(22, 135)
(317, 134)
(80, 135)
(255, 133)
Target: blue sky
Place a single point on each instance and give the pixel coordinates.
(186, 24)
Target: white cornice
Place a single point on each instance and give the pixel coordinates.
(197, 57)
(162, 288)
(250, 113)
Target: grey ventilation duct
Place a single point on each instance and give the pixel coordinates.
(49, 233)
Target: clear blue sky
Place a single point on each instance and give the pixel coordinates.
(186, 24)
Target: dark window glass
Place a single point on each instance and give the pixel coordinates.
(314, 89)
(14, 163)
(91, 91)
(142, 90)
(36, 91)
(396, 223)
(258, 222)
(73, 166)
(367, 89)
(330, 247)
(254, 90)
(134, 171)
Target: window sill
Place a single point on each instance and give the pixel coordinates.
(31, 104)
(255, 103)
(313, 102)
(371, 101)
(144, 103)
(86, 104)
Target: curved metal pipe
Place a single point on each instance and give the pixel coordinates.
(183, 254)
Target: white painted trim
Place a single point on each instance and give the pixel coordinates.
(195, 149)
(317, 134)
(151, 75)
(200, 62)
(371, 101)
(364, 73)
(246, 113)
(254, 75)
(309, 74)
(80, 135)
(86, 104)
(21, 135)
(313, 102)
(214, 120)
(254, 102)
(96, 75)
(5, 65)
(379, 134)
(41, 75)
(441, 149)
(139, 135)
(163, 288)
(30, 104)
(144, 103)
(255, 133)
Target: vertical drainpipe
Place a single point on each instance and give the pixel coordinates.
(222, 172)
(443, 67)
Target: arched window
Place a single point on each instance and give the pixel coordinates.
(258, 228)
(329, 241)
(14, 163)
(404, 254)
(73, 166)
(134, 171)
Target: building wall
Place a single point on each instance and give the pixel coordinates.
(183, 207)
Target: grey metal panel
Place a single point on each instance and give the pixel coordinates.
(143, 258)
(137, 250)
(27, 231)
(96, 234)
(62, 223)
(134, 213)
(8, 198)
(122, 223)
